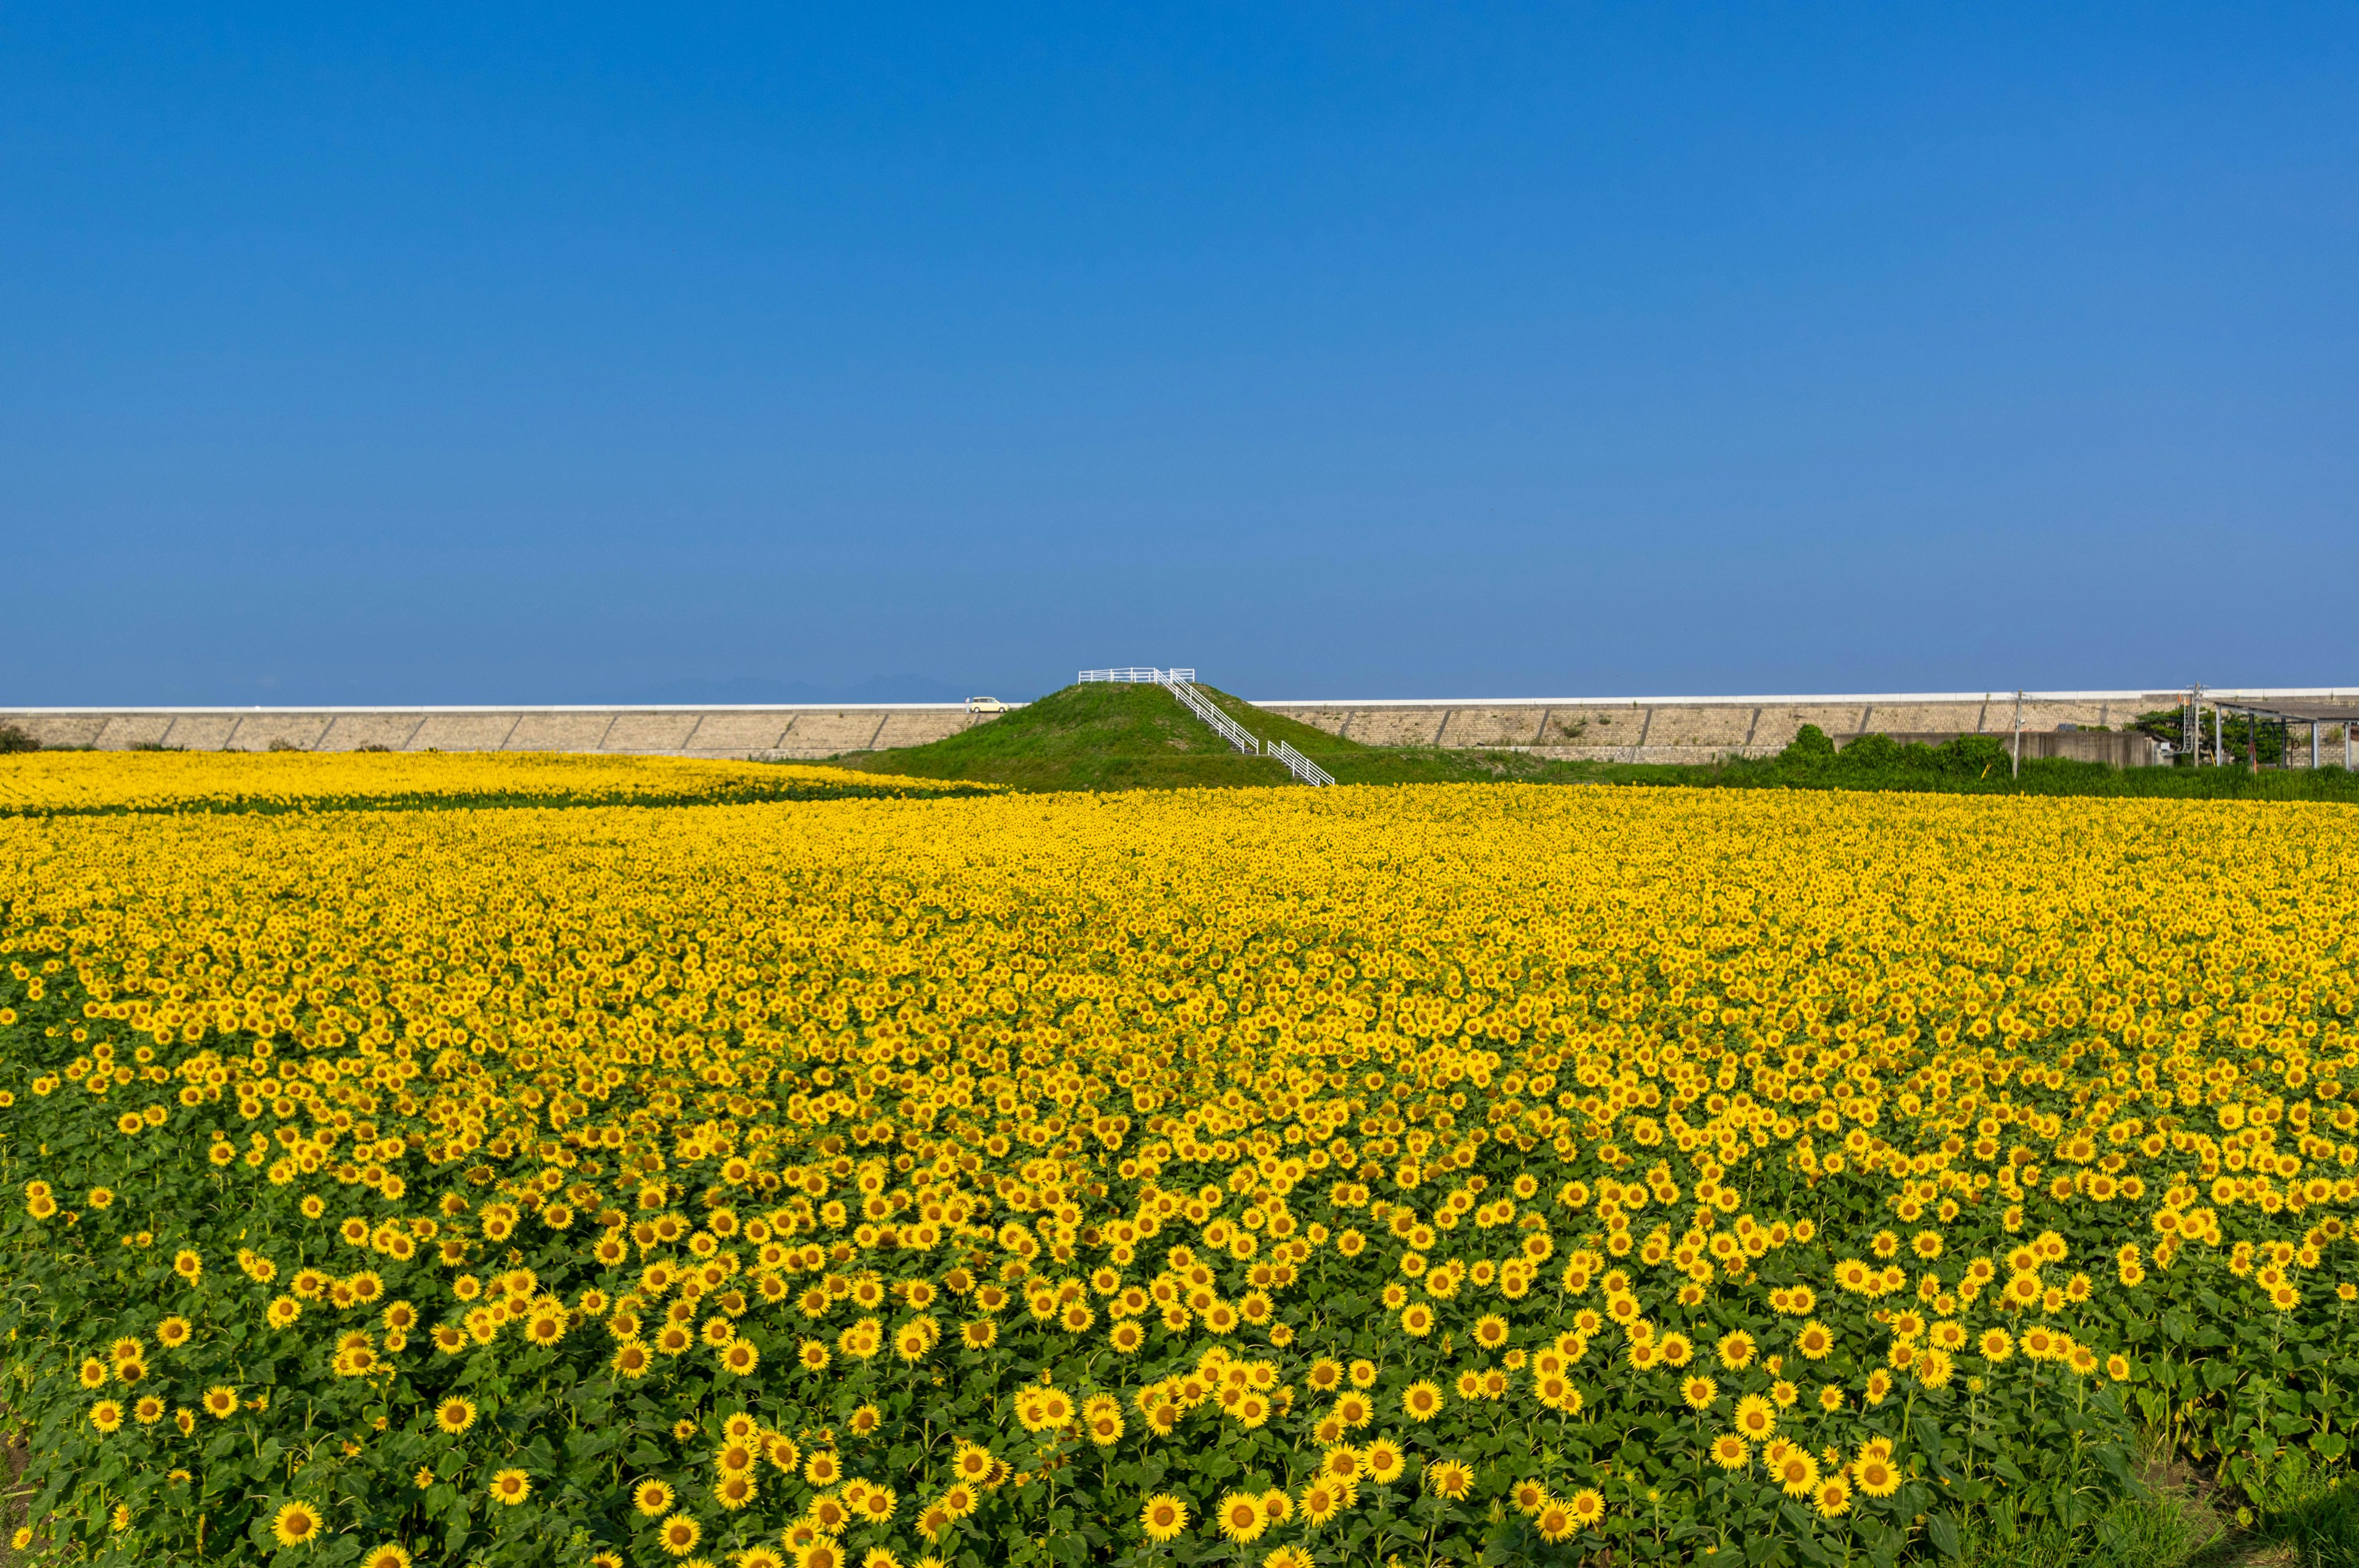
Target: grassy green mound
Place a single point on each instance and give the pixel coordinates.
(1097, 737)
(1106, 737)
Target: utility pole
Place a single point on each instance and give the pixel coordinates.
(2018, 733)
(2219, 736)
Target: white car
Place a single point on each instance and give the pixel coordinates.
(986, 705)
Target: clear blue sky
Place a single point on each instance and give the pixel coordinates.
(505, 353)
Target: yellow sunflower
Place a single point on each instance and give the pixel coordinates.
(1240, 1517)
(296, 1524)
(1164, 1516)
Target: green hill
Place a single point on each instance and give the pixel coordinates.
(1107, 737)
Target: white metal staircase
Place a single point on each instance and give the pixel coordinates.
(1181, 683)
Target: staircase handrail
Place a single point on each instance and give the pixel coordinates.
(1302, 767)
(1181, 682)
(1228, 728)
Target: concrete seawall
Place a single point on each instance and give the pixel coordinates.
(1649, 730)
(1702, 729)
(799, 733)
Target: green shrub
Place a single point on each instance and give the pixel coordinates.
(1880, 761)
(1810, 743)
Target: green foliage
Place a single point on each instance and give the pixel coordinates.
(1878, 762)
(2139, 1531)
(2315, 1514)
(1976, 764)
(1810, 744)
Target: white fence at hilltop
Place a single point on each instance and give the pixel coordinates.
(1140, 675)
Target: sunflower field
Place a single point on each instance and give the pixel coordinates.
(1458, 1173)
(110, 783)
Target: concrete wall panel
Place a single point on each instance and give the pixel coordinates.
(1699, 725)
(463, 731)
(558, 732)
(1335, 720)
(1910, 717)
(121, 731)
(260, 731)
(1779, 725)
(825, 732)
(2048, 715)
(1618, 724)
(1500, 726)
(64, 729)
(351, 731)
(2121, 749)
(726, 734)
(920, 728)
(649, 732)
(201, 732)
(1559, 727)
(1397, 726)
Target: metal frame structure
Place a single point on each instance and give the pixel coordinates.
(2280, 711)
(1181, 683)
